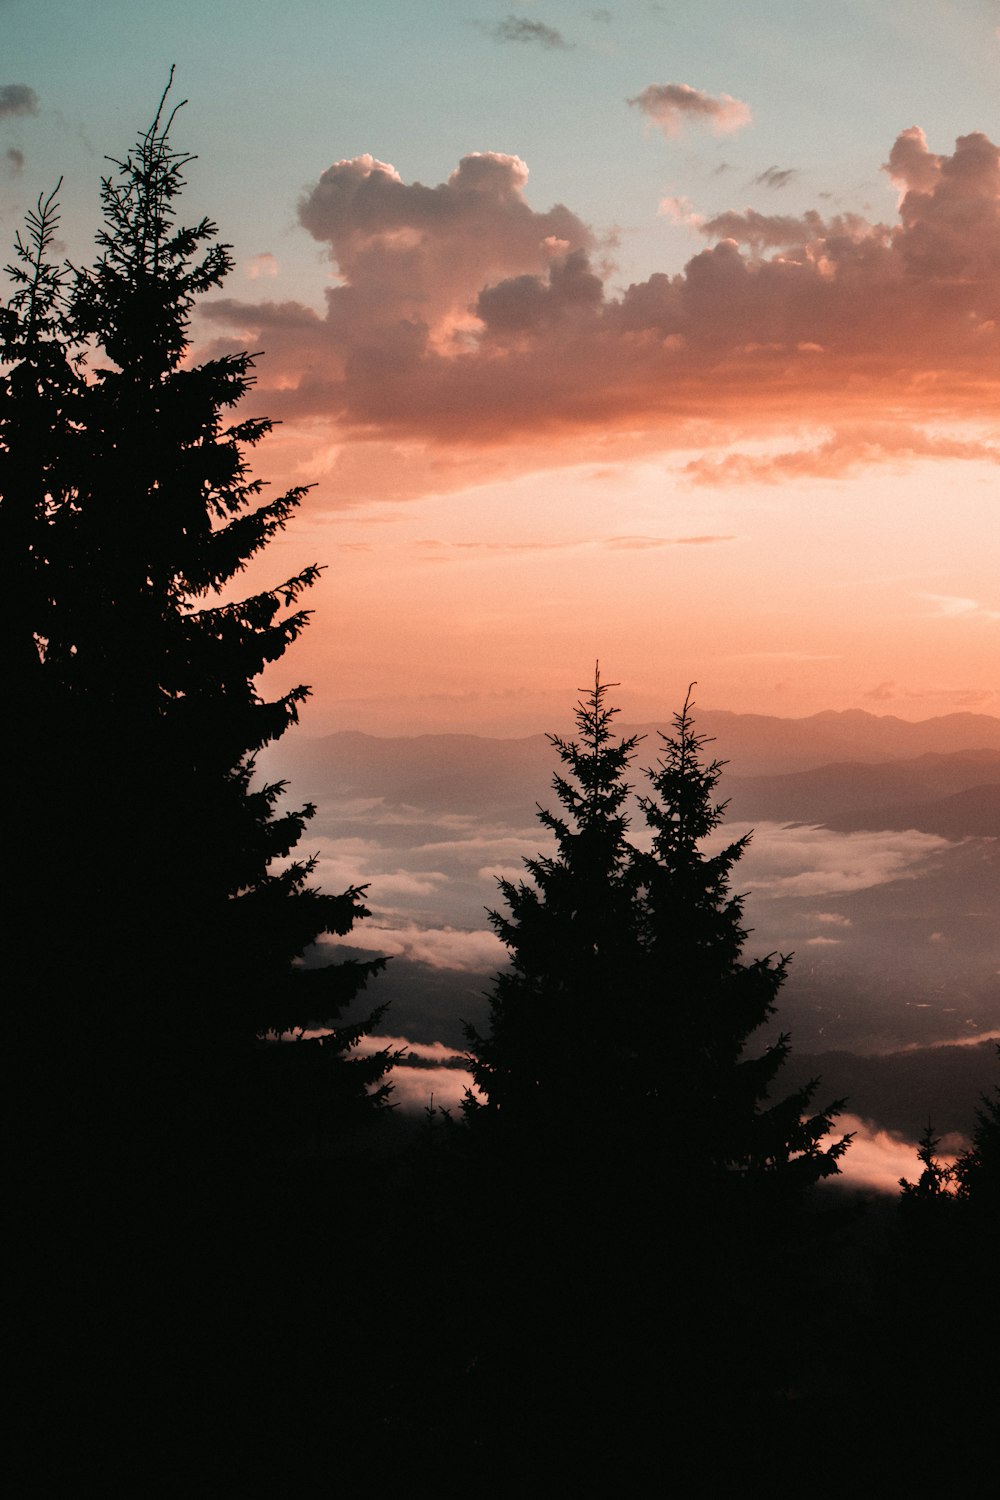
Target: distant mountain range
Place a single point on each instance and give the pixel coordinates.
(757, 745)
(849, 770)
(952, 795)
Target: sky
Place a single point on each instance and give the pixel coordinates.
(664, 333)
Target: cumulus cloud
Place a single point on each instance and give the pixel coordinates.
(520, 29)
(413, 259)
(17, 99)
(463, 316)
(771, 231)
(14, 161)
(670, 106)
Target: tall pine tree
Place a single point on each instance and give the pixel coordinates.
(700, 1002)
(180, 909)
(556, 1014)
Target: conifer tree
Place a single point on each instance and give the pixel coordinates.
(700, 1001)
(556, 1012)
(184, 909)
(627, 1003)
(936, 1178)
(977, 1170)
(39, 392)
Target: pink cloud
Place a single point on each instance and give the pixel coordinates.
(878, 1158)
(465, 319)
(439, 947)
(417, 256)
(416, 1089)
(842, 453)
(264, 264)
(670, 106)
(769, 231)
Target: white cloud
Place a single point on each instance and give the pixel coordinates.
(806, 860)
(439, 947)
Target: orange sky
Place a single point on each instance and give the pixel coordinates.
(774, 471)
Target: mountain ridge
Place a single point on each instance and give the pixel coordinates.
(748, 744)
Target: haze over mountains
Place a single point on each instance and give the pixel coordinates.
(875, 859)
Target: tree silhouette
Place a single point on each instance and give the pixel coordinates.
(977, 1170)
(126, 491)
(38, 398)
(700, 1002)
(556, 1013)
(627, 1004)
(936, 1179)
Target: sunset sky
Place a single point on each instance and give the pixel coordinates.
(665, 333)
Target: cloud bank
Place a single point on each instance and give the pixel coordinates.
(804, 859)
(463, 316)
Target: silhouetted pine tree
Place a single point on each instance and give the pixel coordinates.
(936, 1177)
(39, 397)
(557, 1014)
(180, 911)
(977, 1170)
(700, 1002)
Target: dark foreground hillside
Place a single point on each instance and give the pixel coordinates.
(401, 1308)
